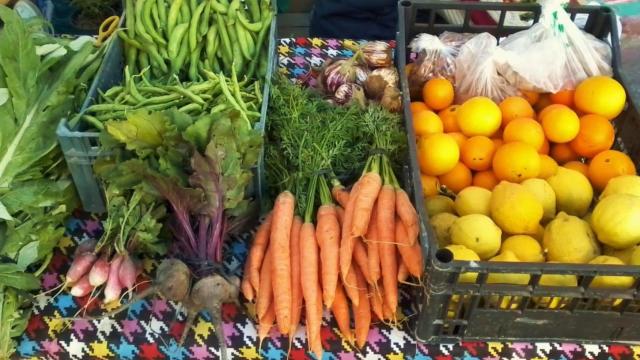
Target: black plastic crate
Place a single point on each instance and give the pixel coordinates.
(452, 311)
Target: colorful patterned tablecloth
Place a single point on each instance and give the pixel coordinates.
(149, 328)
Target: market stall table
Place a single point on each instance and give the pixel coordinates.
(149, 328)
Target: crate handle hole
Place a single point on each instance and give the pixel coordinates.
(406, 3)
(444, 256)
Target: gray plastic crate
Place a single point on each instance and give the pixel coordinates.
(81, 146)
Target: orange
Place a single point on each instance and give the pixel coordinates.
(548, 166)
(607, 165)
(485, 179)
(524, 130)
(497, 142)
(561, 125)
(515, 107)
(596, 134)
(426, 122)
(531, 96)
(600, 95)
(563, 153)
(437, 154)
(477, 153)
(430, 185)
(578, 166)
(544, 149)
(459, 138)
(543, 102)
(479, 116)
(438, 93)
(418, 106)
(516, 162)
(457, 179)
(546, 110)
(564, 97)
(448, 117)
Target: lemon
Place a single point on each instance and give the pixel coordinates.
(573, 191)
(479, 116)
(545, 195)
(478, 233)
(438, 204)
(569, 239)
(508, 278)
(539, 235)
(635, 256)
(515, 209)
(525, 247)
(618, 282)
(555, 280)
(473, 200)
(441, 224)
(616, 220)
(624, 184)
(461, 252)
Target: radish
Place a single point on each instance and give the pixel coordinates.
(85, 246)
(99, 273)
(113, 288)
(127, 273)
(80, 266)
(82, 287)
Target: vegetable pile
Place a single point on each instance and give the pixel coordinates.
(42, 79)
(331, 250)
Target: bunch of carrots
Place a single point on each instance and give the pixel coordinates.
(362, 244)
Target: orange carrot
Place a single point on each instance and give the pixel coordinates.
(265, 293)
(371, 183)
(265, 323)
(411, 255)
(340, 214)
(408, 215)
(296, 288)
(309, 281)
(340, 310)
(340, 195)
(351, 287)
(346, 239)
(247, 290)
(386, 245)
(376, 301)
(315, 340)
(256, 254)
(360, 256)
(283, 211)
(403, 273)
(328, 235)
(362, 313)
(373, 255)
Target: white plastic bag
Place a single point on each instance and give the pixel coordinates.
(553, 54)
(477, 73)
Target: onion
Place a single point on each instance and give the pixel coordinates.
(379, 80)
(391, 99)
(377, 54)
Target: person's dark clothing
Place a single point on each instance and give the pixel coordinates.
(355, 19)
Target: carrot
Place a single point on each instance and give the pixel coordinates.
(265, 293)
(283, 211)
(362, 312)
(408, 215)
(351, 287)
(328, 235)
(340, 195)
(403, 273)
(376, 301)
(309, 281)
(315, 340)
(411, 255)
(256, 254)
(360, 255)
(346, 239)
(386, 246)
(296, 289)
(340, 310)
(373, 254)
(371, 183)
(265, 323)
(340, 214)
(247, 289)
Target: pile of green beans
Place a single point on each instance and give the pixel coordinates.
(217, 94)
(187, 37)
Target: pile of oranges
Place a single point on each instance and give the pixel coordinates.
(481, 143)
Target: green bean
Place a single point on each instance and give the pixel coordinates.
(120, 98)
(254, 27)
(111, 116)
(139, 26)
(113, 91)
(244, 47)
(163, 52)
(266, 25)
(106, 107)
(147, 22)
(155, 57)
(224, 36)
(206, 18)
(195, 98)
(129, 41)
(217, 7)
(162, 106)
(93, 121)
(193, 4)
(194, 61)
(236, 90)
(154, 92)
(172, 18)
(185, 13)
(237, 62)
(190, 107)
(135, 93)
(258, 91)
(254, 9)
(193, 27)
(160, 99)
(131, 54)
(162, 14)
(175, 41)
(178, 61)
(204, 86)
(212, 35)
(155, 15)
(218, 108)
(215, 65)
(130, 17)
(233, 9)
(230, 98)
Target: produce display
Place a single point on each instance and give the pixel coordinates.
(42, 79)
(327, 246)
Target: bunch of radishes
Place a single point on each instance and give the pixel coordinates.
(90, 270)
